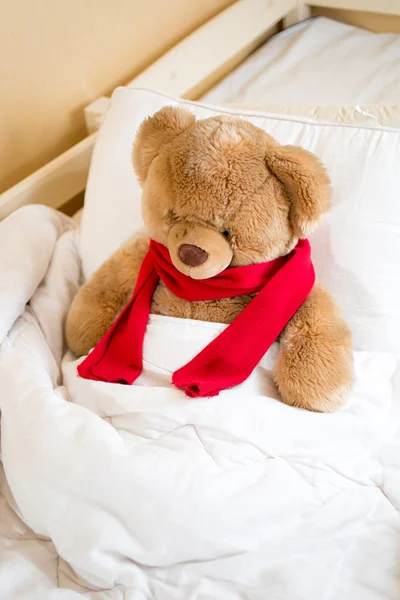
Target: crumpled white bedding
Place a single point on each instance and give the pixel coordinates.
(316, 62)
(136, 493)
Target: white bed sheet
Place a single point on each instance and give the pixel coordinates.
(320, 61)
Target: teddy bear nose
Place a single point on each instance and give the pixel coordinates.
(192, 256)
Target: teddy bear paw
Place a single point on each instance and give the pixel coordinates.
(314, 386)
(329, 401)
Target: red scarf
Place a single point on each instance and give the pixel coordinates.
(281, 285)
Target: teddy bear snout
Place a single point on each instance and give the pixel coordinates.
(191, 255)
(197, 250)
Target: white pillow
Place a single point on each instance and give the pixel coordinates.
(356, 251)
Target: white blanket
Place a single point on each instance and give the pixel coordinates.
(138, 493)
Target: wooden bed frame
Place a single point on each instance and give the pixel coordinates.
(244, 26)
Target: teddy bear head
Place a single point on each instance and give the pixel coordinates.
(221, 192)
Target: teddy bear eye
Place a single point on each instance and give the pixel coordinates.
(225, 233)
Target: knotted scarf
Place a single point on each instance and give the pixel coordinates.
(281, 286)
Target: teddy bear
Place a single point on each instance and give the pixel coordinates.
(219, 194)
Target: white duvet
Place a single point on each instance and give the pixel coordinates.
(139, 493)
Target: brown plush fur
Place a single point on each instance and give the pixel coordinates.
(226, 187)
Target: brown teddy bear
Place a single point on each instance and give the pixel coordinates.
(221, 193)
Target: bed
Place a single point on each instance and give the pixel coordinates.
(107, 495)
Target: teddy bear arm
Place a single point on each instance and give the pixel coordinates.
(314, 368)
(101, 299)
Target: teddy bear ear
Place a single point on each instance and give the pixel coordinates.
(154, 132)
(307, 185)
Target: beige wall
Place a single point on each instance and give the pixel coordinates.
(367, 20)
(58, 55)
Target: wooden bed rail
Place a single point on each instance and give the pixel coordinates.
(53, 184)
